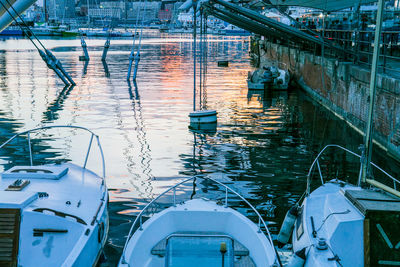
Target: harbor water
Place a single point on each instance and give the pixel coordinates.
(262, 147)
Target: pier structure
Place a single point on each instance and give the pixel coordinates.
(332, 65)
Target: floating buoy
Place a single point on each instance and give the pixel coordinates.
(204, 128)
(223, 63)
(298, 259)
(287, 226)
(203, 116)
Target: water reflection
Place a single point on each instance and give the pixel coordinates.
(263, 145)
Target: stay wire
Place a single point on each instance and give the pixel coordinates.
(23, 21)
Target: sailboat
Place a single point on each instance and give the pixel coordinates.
(51, 214)
(341, 224)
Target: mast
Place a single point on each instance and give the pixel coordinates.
(365, 167)
(194, 3)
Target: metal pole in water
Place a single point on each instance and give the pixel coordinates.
(106, 47)
(194, 4)
(59, 66)
(84, 47)
(372, 93)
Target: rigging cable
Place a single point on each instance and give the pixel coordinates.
(51, 61)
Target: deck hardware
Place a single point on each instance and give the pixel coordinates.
(97, 213)
(322, 245)
(68, 202)
(314, 232)
(17, 185)
(43, 194)
(61, 214)
(334, 258)
(40, 231)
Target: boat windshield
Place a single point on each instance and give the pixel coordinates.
(196, 251)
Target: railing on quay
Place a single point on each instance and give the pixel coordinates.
(358, 47)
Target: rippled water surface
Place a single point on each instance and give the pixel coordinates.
(263, 145)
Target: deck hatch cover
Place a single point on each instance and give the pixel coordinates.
(9, 236)
(35, 172)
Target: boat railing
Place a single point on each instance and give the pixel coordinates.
(138, 223)
(316, 164)
(92, 136)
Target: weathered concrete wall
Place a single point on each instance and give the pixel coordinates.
(343, 88)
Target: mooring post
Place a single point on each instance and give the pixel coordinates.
(137, 59)
(84, 47)
(105, 49)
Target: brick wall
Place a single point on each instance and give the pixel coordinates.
(343, 88)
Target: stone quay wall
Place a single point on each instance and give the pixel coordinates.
(343, 88)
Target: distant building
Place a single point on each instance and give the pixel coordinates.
(58, 10)
(102, 13)
(150, 10)
(166, 11)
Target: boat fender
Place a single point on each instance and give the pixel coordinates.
(100, 232)
(298, 259)
(287, 225)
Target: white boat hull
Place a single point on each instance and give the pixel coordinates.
(65, 224)
(196, 219)
(344, 220)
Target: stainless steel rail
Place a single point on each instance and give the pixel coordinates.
(28, 133)
(316, 162)
(139, 221)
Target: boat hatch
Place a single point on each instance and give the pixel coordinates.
(35, 172)
(9, 236)
(199, 250)
(16, 200)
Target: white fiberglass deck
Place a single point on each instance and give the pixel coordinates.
(56, 217)
(336, 220)
(197, 228)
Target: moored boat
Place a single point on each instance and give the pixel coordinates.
(341, 224)
(52, 214)
(198, 232)
(268, 77)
